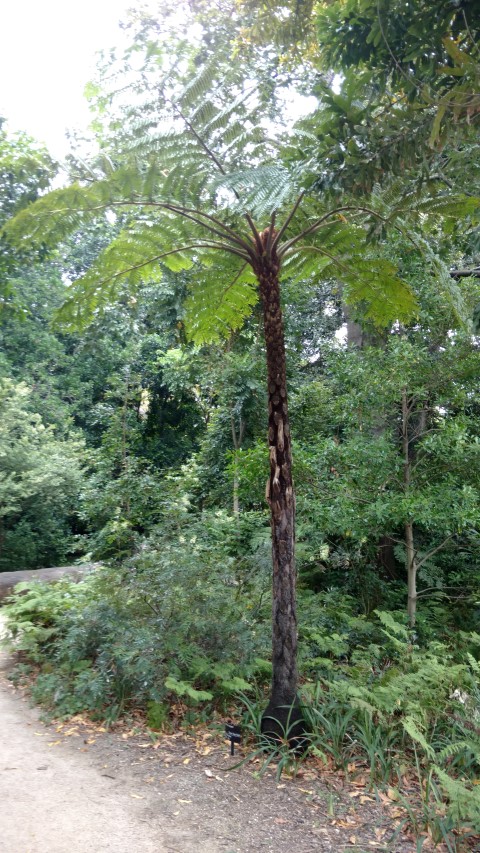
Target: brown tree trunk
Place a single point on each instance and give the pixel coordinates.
(282, 717)
(237, 439)
(410, 553)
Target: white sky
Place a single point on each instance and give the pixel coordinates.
(47, 55)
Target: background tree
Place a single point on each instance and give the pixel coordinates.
(40, 478)
(25, 171)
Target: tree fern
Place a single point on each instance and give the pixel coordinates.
(190, 195)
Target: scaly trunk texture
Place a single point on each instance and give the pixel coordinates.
(282, 718)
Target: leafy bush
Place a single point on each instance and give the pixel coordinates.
(183, 619)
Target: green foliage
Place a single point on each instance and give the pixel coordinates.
(188, 183)
(173, 623)
(424, 58)
(34, 613)
(350, 476)
(388, 704)
(25, 172)
(39, 482)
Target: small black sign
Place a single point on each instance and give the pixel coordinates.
(234, 735)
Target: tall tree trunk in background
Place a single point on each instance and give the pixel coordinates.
(237, 438)
(410, 558)
(282, 717)
(358, 338)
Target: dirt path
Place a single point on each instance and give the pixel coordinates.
(67, 789)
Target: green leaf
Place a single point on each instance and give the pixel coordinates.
(410, 726)
(183, 688)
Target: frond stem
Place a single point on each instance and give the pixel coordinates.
(268, 245)
(287, 221)
(324, 252)
(211, 154)
(199, 139)
(189, 213)
(255, 231)
(322, 221)
(176, 251)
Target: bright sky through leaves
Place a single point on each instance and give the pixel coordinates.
(47, 55)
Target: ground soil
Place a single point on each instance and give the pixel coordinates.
(74, 787)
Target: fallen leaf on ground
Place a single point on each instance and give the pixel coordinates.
(397, 812)
(136, 796)
(208, 772)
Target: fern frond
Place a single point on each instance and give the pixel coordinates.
(367, 280)
(220, 299)
(410, 726)
(464, 803)
(260, 190)
(453, 749)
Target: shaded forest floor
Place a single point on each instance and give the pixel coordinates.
(75, 786)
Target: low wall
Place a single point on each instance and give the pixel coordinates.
(9, 579)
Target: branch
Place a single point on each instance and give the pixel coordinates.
(434, 551)
(474, 273)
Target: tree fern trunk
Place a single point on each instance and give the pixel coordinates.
(279, 719)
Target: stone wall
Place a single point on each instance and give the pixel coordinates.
(8, 580)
